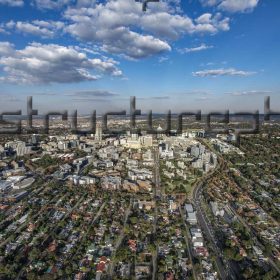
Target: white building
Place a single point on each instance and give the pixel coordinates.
(98, 132)
(147, 141)
(22, 149)
(217, 211)
(5, 187)
(191, 218)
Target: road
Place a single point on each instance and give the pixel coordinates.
(120, 238)
(242, 221)
(225, 270)
(157, 193)
(188, 242)
(197, 194)
(207, 230)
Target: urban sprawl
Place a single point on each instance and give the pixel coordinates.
(139, 206)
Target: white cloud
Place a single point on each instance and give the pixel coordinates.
(121, 27)
(58, 4)
(163, 59)
(132, 44)
(85, 3)
(6, 48)
(208, 23)
(209, 2)
(12, 3)
(176, 25)
(49, 24)
(44, 29)
(222, 72)
(26, 27)
(232, 6)
(202, 47)
(43, 64)
(51, 4)
(87, 49)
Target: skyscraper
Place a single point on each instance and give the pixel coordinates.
(98, 133)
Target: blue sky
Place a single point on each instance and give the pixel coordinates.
(178, 55)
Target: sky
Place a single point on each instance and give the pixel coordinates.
(177, 55)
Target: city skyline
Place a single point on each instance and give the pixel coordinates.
(84, 55)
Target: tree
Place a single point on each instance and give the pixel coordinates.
(31, 276)
(270, 275)
(34, 254)
(268, 248)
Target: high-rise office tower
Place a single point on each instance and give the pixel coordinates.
(98, 133)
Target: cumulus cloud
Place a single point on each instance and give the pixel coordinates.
(26, 27)
(232, 6)
(121, 27)
(202, 47)
(176, 25)
(133, 44)
(209, 2)
(43, 64)
(51, 4)
(238, 5)
(59, 4)
(44, 29)
(12, 3)
(85, 3)
(6, 48)
(222, 72)
(207, 23)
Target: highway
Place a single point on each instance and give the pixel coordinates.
(188, 242)
(224, 268)
(229, 271)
